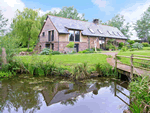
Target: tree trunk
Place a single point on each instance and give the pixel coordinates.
(28, 43)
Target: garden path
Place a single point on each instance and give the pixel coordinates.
(124, 67)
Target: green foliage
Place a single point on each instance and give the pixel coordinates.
(131, 42)
(124, 49)
(133, 49)
(80, 52)
(45, 51)
(142, 26)
(27, 26)
(140, 92)
(121, 44)
(112, 47)
(80, 71)
(137, 45)
(84, 51)
(25, 50)
(145, 44)
(55, 53)
(104, 69)
(3, 23)
(70, 45)
(5, 74)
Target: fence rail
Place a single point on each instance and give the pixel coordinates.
(132, 57)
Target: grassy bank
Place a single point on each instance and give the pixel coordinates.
(68, 61)
(76, 66)
(129, 53)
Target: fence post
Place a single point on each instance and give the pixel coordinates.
(131, 73)
(116, 61)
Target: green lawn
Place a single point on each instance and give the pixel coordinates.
(128, 53)
(69, 61)
(25, 49)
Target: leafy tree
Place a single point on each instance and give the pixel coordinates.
(66, 12)
(119, 22)
(142, 26)
(70, 45)
(27, 26)
(3, 23)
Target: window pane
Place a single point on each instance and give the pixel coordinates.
(53, 35)
(71, 35)
(77, 36)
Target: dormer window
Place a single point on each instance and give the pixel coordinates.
(100, 31)
(114, 33)
(119, 34)
(109, 32)
(91, 30)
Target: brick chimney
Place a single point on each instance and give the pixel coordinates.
(96, 21)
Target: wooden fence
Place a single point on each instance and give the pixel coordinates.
(132, 57)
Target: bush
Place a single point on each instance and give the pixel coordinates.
(104, 69)
(55, 53)
(133, 49)
(137, 45)
(80, 52)
(112, 47)
(84, 51)
(124, 48)
(45, 51)
(131, 42)
(145, 44)
(121, 44)
(70, 45)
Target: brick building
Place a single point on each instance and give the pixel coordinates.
(57, 32)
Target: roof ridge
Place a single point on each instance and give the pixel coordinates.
(81, 21)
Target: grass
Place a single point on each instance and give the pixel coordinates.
(25, 49)
(128, 53)
(69, 61)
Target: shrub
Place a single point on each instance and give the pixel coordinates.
(99, 49)
(70, 45)
(112, 47)
(55, 53)
(80, 71)
(124, 48)
(133, 49)
(104, 69)
(80, 52)
(84, 51)
(45, 51)
(121, 44)
(131, 42)
(145, 44)
(137, 45)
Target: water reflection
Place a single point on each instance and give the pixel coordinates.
(24, 95)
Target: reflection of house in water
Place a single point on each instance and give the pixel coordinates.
(63, 92)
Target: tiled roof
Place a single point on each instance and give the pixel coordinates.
(63, 24)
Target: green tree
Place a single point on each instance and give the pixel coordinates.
(3, 23)
(66, 12)
(27, 26)
(119, 22)
(142, 26)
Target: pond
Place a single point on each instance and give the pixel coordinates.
(59, 95)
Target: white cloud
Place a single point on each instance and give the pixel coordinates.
(9, 7)
(41, 12)
(104, 6)
(133, 13)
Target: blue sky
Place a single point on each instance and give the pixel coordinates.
(102, 9)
